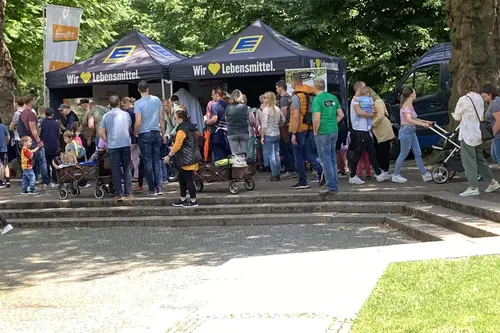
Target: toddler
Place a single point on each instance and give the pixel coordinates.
(366, 104)
(28, 181)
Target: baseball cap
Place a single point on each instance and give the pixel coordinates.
(83, 101)
(63, 106)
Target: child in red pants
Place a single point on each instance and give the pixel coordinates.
(365, 159)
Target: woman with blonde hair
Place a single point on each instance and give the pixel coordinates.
(470, 112)
(272, 118)
(383, 132)
(237, 127)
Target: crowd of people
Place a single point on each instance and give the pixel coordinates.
(307, 128)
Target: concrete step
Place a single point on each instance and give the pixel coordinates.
(223, 199)
(236, 209)
(472, 206)
(192, 221)
(454, 220)
(422, 230)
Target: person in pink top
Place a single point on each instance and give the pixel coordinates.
(408, 137)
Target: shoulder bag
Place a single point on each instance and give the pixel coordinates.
(484, 127)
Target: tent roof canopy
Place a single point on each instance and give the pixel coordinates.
(133, 57)
(257, 50)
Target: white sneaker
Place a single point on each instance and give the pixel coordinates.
(52, 185)
(470, 192)
(386, 175)
(87, 185)
(380, 178)
(399, 179)
(356, 181)
(427, 177)
(492, 187)
(7, 228)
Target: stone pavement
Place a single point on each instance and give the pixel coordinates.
(158, 279)
(302, 278)
(415, 184)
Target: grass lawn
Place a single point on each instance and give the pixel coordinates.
(439, 296)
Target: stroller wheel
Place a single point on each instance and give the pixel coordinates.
(99, 193)
(75, 191)
(198, 184)
(234, 188)
(249, 185)
(440, 174)
(173, 174)
(63, 194)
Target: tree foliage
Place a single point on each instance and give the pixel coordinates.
(380, 39)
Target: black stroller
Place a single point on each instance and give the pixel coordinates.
(453, 162)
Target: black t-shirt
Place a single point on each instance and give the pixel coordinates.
(285, 102)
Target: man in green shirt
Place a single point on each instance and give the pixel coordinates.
(327, 113)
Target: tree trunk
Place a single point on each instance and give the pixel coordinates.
(8, 77)
(475, 35)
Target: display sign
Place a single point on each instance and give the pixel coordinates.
(318, 63)
(100, 77)
(229, 68)
(102, 92)
(62, 28)
(308, 76)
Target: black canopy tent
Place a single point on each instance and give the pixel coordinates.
(256, 51)
(134, 57)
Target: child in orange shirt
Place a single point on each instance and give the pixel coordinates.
(28, 182)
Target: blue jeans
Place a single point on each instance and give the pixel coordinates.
(408, 141)
(120, 162)
(326, 145)
(495, 150)
(286, 149)
(41, 165)
(305, 150)
(28, 182)
(149, 143)
(164, 171)
(271, 150)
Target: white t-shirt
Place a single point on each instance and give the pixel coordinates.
(358, 123)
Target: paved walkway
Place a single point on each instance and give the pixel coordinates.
(154, 279)
(415, 184)
(308, 278)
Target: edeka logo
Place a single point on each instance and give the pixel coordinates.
(64, 33)
(225, 69)
(317, 63)
(289, 41)
(119, 54)
(87, 77)
(246, 44)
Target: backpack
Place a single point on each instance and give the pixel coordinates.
(307, 116)
(79, 150)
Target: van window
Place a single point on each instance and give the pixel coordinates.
(424, 80)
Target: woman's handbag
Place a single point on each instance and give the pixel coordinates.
(484, 126)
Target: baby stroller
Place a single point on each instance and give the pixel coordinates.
(453, 162)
